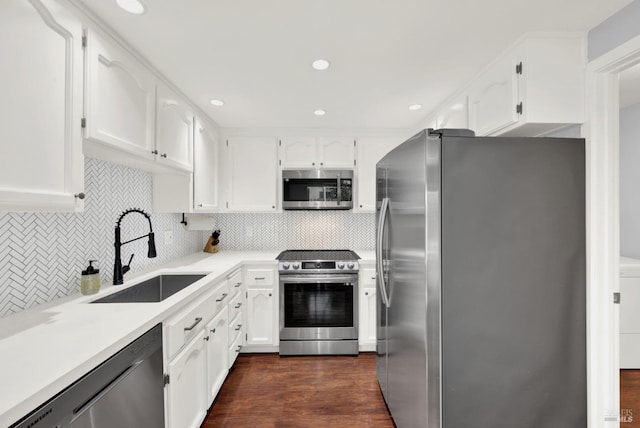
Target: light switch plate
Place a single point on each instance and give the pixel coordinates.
(168, 237)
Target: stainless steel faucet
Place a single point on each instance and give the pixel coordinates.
(118, 269)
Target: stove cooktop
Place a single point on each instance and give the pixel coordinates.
(320, 255)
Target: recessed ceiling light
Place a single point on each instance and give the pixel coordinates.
(320, 64)
(132, 6)
(217, 103)
(415, 106)
(319, 112)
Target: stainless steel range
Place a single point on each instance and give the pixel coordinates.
(318, 302)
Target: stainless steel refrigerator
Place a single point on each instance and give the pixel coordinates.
(480, 252)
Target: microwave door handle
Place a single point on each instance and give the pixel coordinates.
(339, 197)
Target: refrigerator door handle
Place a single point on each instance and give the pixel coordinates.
(382, 221)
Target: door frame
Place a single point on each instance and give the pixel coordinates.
(601, 131)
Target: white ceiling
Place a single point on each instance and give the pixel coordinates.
(256, 55)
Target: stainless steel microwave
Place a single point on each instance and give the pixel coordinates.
(317, 189)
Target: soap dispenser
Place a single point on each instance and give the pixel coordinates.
(90, 280)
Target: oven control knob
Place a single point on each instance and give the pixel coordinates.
(296, 265)
(340, 265)
(350, 265)
(285, 266)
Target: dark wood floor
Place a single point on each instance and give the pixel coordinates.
(269, 391)
(630, 398)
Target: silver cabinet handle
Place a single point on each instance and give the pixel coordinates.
(192, 326)
(366, 293)
(206, 338)
(213, 331)
(79, 195)
(239, 348)
(239, 327)
(224, 296)
(238, 284)
(238, 305)
(262, 278)
(269, 294)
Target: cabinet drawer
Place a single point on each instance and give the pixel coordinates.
(234, 350)
(183, 326)
(235, 305)
(220, 298)
(235, 279)
(260, 277)
(235, 328)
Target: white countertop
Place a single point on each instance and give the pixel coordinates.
(45, 349)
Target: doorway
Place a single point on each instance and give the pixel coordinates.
(602, 133)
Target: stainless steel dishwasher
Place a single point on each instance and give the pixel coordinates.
(125, 391)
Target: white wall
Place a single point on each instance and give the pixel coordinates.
(630, 181)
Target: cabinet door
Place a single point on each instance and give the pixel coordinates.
(205, 170)
(261, 313)
(174, 130)
(298, 152)
(493, 98)
(217, 355)
(120, 99)
(367, 328)
(187, 390)
(369, 151)
(336, 152)
(252, 174)
(41, 166)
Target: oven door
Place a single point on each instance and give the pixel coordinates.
(318, 307)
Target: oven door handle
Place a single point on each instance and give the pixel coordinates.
(314, 279)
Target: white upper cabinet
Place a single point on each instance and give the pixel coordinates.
(336, 152)
(298, 152)
(41, 167)
(536, 87)
(205, 170)
(120, 99)
(174, 130)
(178, 192)
(312, 152)
(493, 98)
(252, 174)
(369, 150)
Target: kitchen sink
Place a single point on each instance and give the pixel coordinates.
(154, 289)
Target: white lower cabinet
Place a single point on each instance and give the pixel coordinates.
(367, 306)
(262, 313)
(217, 361)
(196, 355)
(186, 391)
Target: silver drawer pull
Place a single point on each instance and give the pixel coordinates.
(213, 331)
(262, 278)
(237, 306)
(192, 326)
(238, 285)
(238, 327)
(239, 348)
(373, 277)
(224, 295)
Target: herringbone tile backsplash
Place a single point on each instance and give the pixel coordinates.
(297, 230)
(42, 254)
